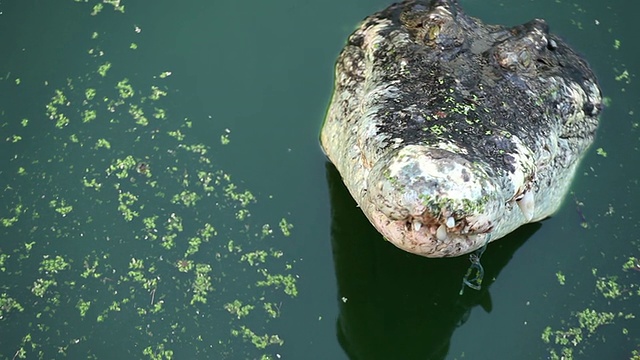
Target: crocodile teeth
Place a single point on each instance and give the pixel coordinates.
(451, 222)
(441, 233)
(527, 205)
(417, 225)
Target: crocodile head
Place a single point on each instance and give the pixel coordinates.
(450, 132)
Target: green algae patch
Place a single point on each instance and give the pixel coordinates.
(610, 308)
(260, 341)
(102, 69)
(285, 227)
(8, 305)
(117, 221)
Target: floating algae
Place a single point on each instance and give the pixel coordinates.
(121, 236)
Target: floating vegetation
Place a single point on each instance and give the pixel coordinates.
(102, 69)
(170, 257)
(589, 325)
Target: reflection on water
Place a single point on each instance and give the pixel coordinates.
(397, 305)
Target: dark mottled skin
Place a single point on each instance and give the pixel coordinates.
(437, 116)
(479, 79)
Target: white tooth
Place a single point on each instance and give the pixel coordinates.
(417, 225)
(527, 205)
(474, 238)
(441, 234)
(451, 222)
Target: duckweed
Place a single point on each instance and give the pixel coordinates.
(585, 326)
(119, 222)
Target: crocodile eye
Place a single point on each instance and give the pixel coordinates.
(433, 32)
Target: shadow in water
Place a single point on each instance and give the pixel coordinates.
(395, 305)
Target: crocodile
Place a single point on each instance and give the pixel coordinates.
(450, 133)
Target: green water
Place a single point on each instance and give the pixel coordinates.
(163, 195)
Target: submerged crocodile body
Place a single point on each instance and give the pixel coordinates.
(449, 132)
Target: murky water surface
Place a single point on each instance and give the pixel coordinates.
(163, 195)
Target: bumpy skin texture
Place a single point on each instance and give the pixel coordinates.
(449, 132)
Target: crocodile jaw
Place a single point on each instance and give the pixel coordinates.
(435, 203)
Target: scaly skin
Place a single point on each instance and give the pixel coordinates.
(449, 132)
